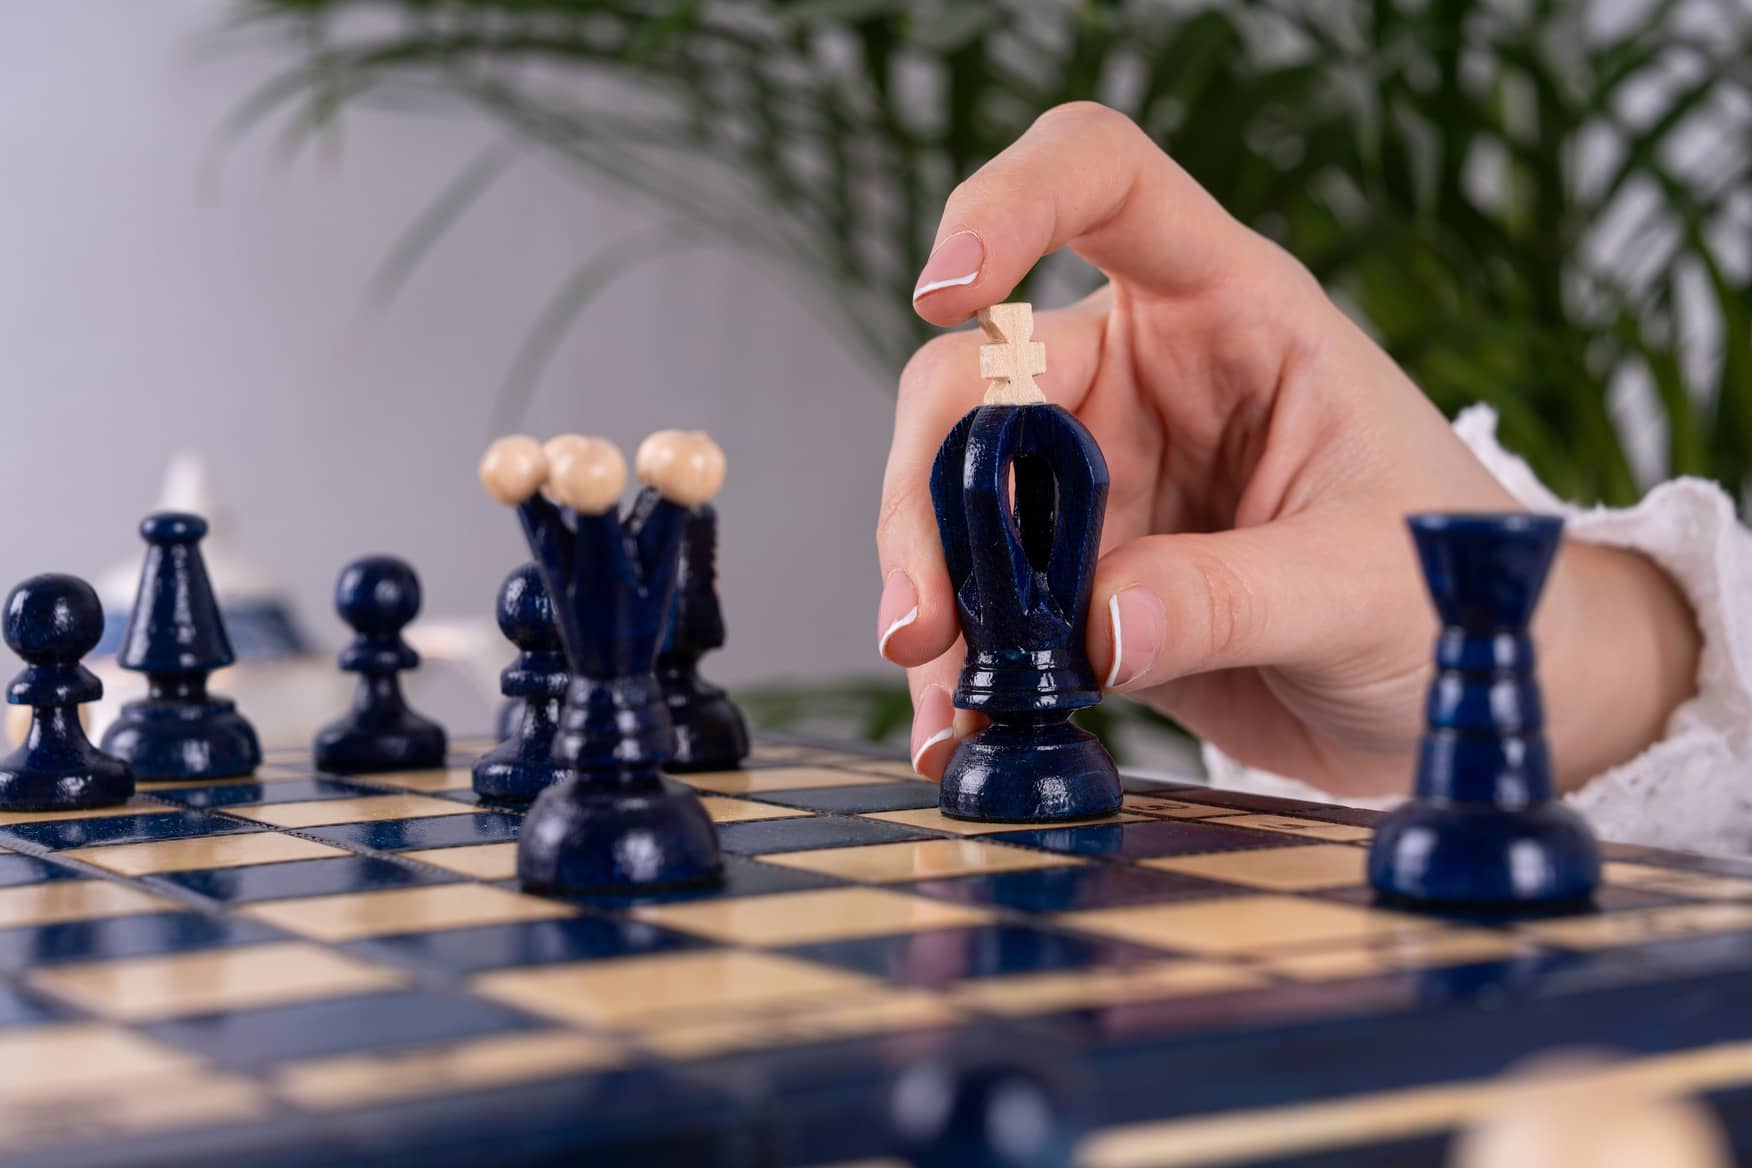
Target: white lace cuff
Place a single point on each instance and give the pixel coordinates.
(1693, 789)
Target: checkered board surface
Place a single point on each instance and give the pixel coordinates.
(295, 968)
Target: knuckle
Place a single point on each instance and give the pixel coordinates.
(1233, 610)
(928, 367)
(1084, 116)
(898, 502)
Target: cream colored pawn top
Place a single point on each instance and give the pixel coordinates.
(1012, 363)
(589, 474)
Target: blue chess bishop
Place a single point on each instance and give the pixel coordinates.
(1020, 491)
(616, 823)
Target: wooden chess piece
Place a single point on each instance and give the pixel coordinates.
(522, 766)
(1020, 491)
(710, 734)
(1485, 826)
(616, 824)
(176, 637)
(378, 596)
(53, 621)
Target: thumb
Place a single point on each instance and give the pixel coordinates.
(1166, 606)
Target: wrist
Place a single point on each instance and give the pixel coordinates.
(1619, 649)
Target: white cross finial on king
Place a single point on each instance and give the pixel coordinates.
(1012, 363)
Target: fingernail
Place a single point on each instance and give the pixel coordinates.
(933, 724)
(954, 262)
(898, 609)
(1135, 617)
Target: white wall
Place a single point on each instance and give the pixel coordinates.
(143, 309)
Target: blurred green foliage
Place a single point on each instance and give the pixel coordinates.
(1540, 204)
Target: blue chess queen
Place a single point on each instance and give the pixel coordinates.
(615, 823)
(1485, 827)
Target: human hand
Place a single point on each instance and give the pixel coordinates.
(1256, 579)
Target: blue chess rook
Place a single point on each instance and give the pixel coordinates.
(616, 824)
(710, 734)
(52, 621)
(1020, 492)
(523, 765)
(1484, 827)
(176, 637)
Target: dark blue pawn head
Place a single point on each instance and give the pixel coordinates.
(378, 595)
(526, 613)
(1486, 571)
(52, 621)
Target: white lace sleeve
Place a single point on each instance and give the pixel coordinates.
(1693, 789)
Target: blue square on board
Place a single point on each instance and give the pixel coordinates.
(796, 835)
(1137, 841)
(145, 828)
(248, 1039)
(1085, 886)
(433, 831)
(322, 877)
(30, 870)
(939, 957)
(236, 794)
(854, 800)
(145, 935)
(468, 951)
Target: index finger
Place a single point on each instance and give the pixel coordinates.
(1085, 177)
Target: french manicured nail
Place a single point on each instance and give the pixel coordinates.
(1139, 627)
(954, 262)
(898, 609)
(933, 724)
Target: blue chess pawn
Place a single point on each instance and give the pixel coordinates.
(523, 765)
(1020, 491)
(710, 734)
(176, 637)
(616, 825)
(1485, 827)
(378, 596)
(53, 621)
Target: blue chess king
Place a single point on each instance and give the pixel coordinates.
(1485, 827)
(1020, 491)
(615, 824)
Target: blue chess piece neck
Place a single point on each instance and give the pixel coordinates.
(52, 621)
(1484, 826)
(1023, 571)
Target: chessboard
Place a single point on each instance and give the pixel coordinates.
(296, 969)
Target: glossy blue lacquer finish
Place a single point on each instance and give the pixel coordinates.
(616, 824)
(1022, 573)
(523, 765)
(377, 596)
(176, 637)
(52, 621)
(1485, 826)
(710, 734)
(992, 1108)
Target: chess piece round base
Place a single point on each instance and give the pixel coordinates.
(87, 779)
(510, 773)
(184, 740)
(1458, 854)
(585, 837)
(357, 746)
(710, 734)
(1030, 773)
